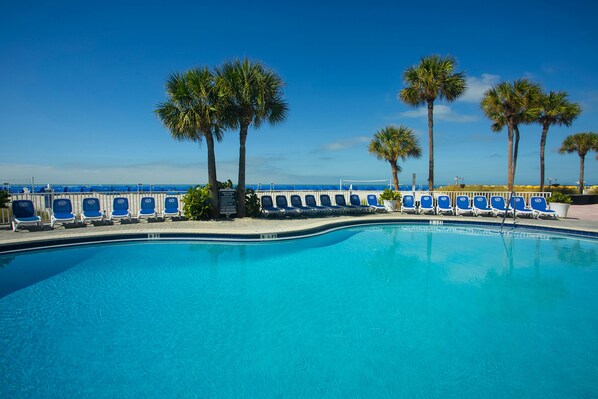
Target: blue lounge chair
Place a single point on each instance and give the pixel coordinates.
(443, 206)
(339, 199)
(23, 214)
(426, 204)
(325, 201)
(356, 202)
(298, 204)
(408, 204)
(540, 208)
(498, 205)
(283, 205)
(462, 206)
(480, 206)
(147, 208)
(518, 203)
(268, 207)
(90, 210)
(171, 208)
(310, 202)
(120, 209)
(373, 203)
(62, 212)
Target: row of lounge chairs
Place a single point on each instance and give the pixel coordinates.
(479, 206)
(23, 211)
(311, 208)
(464, 206)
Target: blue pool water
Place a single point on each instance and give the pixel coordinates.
(378, 312)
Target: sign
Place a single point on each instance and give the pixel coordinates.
(228, 201)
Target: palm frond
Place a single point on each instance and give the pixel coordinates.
(434, 77)
(191, 111)
(393, 143)
(582, 143)
(251, 94)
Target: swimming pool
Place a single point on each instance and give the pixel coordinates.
(385, 311)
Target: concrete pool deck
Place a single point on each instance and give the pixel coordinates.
(582, 218)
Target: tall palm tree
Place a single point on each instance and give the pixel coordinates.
(433, 78)
(582, 143)
(510, 105)
(191, 113)
(555, 109)
(392, 143)
(253, 94)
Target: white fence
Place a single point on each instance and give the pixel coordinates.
(43, 201)
(302, 193)
(364, 193)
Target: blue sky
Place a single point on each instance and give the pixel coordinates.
(80, 80)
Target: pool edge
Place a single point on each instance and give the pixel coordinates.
(306, 232)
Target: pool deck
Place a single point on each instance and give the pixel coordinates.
(582, 218)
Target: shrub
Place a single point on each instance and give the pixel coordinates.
(252, 204)
(558, 197)
(4, 198)
(562, 190)
(197, 203)
(226, 184)
(390, 195)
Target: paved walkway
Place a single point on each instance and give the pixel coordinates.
(583, 212)
(582, 217)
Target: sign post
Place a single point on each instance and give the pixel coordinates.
(228, 201)
(413, 186)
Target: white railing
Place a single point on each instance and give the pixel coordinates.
(364, 193)
(43, 201)
(316, 193)
(526, 195)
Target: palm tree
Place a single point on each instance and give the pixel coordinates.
(582, 143)
(510, 105)
(433, 78)
(191, 113)
(253, 95)
(555, 109)
(392, 143)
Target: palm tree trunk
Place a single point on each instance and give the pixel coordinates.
(515, 152)
(395, 174)
(510, 158)
(431, 145)
(241, 211)
(582, 161)
(542, 147)
(212, 179)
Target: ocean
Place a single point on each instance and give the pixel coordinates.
(181, 188)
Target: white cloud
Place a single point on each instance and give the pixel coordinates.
(529, 76)
(344, 144)
(476, 87)
(259, 169)
(441, 112)
(549, 69)
(154, 173)
(588, 101)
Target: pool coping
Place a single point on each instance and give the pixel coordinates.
(324, 226)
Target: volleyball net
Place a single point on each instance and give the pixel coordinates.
(347, 184)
